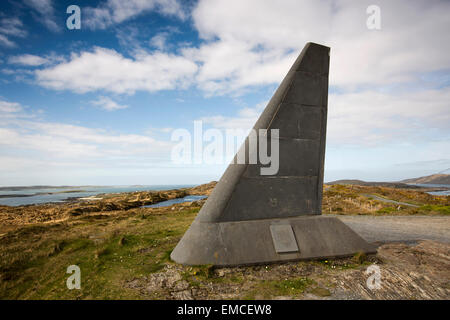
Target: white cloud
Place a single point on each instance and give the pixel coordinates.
(89, 135)
(47, 145)
(128, 38)
(236, 55)
(105, 69)
(373, 118)
(117, 11)
(263, 48)
(45, 13)
(369, 118)
(229, 65)
(74, 143)
(253, 43)
(9, 107)
(41, 6)
(244, 120)
(159, 41)
(12, 26)
(69, 150)
(28, 60)
(4, 41)
(108, 104)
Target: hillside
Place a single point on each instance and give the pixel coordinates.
(372, 184)
(432, 179)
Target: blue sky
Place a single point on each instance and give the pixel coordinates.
(98, 105)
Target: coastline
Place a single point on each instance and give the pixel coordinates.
(338, 199)
(12, 217)
(17, 196)
(89, 192)
(123, 249)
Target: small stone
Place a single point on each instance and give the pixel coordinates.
(181, 285)
(220, 272)
(182, 295)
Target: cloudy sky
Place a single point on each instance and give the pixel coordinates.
(98, 105)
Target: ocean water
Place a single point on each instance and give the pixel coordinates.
(174, 201)
(436, 193)
(61, 194)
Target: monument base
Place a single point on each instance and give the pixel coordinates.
(268, 241)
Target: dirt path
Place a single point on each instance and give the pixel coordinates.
(400, 228)
(373, 196)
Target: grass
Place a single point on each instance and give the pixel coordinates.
(292, 288)
(359, 259)
(111, 251)
(107, 250)
(114, 247)
(353, 199)
(289, 287)
(445, 210)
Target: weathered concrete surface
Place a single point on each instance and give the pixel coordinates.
(234, 225)
(251, 242)
(399, 228)
(299, 110)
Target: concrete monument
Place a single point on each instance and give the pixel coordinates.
(251, 218)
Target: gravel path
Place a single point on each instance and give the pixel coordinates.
(389, 200)
(399, 228)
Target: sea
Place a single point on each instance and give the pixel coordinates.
(17, 196)
(435, 193)
(170, 202)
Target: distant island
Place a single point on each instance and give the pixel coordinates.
(373, 184)
(431, 179)
(20, 188)
(20, 195)
(407, 183)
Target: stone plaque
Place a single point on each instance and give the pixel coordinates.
(283, 238)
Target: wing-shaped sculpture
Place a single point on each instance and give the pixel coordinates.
(252, 218)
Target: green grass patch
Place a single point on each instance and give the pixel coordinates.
(290, 287)
(268, 289)
(436, 208)
(109, 251)
(359, 259)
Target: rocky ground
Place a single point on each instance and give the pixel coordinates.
(419, 271)
(123, 251)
